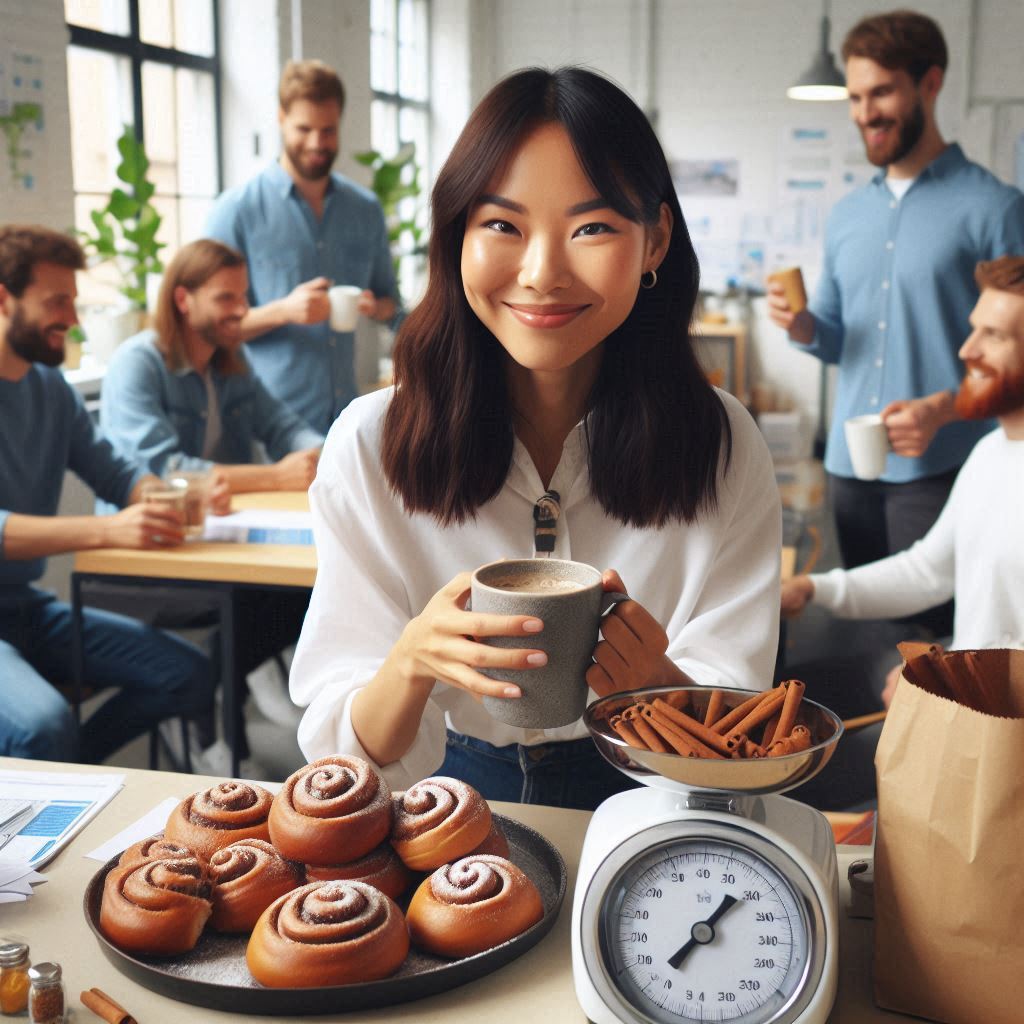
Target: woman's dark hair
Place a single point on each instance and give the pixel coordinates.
(655, 427)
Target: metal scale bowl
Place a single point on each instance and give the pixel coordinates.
(705, 895)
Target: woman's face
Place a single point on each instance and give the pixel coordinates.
(548, 267)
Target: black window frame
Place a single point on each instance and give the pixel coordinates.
(138, 52)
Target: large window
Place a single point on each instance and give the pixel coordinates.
(151, 64)
(400, 108)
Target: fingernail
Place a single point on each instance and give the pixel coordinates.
(540, 658)
(532, 626)
(511, 691)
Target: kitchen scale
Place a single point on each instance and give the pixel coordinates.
(705, 895)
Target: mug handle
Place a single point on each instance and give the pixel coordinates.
(610, 599)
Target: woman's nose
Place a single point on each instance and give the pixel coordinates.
(545, 267)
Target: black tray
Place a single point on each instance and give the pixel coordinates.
(214, 973)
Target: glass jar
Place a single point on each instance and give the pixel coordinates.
(14, 981)
(46, 996)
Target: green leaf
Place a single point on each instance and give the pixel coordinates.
(385, 179)
(144, 191)
(122, 206)
(134, 164)
(367, 159)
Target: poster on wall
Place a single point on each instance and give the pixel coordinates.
(22, 123)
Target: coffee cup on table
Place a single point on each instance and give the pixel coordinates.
(867, 440)
(344, 300)
(569, 599)
(791, 279)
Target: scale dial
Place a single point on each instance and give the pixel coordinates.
(702, 922)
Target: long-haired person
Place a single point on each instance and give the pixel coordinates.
(550, 356)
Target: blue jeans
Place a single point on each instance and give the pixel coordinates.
(157, 675)
(571, 773)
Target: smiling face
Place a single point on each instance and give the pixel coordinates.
(38, 322)
(548, 266)
(889, 108)
(994, 358)
(309, 134)
(215, 309)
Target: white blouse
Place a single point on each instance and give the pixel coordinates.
(714, 586)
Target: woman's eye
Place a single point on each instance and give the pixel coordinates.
(596, 228)
(501, 226)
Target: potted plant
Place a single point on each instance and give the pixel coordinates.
(123, 235)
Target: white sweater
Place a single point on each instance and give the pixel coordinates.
(975, 552)
(714, 586)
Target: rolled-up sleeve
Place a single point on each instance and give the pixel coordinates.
(93, 458)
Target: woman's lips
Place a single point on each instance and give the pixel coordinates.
(547, 316)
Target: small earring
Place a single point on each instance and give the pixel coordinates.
(648, 279)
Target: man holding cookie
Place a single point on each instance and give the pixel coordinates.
(897, 288)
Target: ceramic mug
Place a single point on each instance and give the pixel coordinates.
(868, 444)
(344, 300)
(569, 599)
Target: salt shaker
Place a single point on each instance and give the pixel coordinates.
(46, 996)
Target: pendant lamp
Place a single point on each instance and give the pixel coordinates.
(822, 80)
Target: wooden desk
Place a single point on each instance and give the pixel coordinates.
(536, 987)
(211, 572)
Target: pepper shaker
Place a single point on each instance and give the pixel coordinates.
(46, 996)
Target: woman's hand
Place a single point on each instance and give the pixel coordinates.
(796, 594)
(219, 492)
(442, 643)
(631, 654)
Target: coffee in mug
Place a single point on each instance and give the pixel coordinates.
(569, 599)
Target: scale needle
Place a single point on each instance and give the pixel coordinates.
(701, 933)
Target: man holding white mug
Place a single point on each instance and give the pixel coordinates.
(895, 292)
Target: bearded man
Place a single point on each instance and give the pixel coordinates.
(896, 289)
(975, 550)
(301, 229)
(44, 431)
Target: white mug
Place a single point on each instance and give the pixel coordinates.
(344, 299)
(868, 442)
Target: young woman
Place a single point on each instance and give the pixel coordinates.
(549, 362)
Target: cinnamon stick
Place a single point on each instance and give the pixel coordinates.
(662, 722)
(673, 737)
(794, 692)
(760, 714)
(650, 737)
(728, 722)
(716, 705)
(770, 728)
(626, 732)
(103, 1006)
(709, 737)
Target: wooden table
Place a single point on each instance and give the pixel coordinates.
(537, 988)
(212, 573)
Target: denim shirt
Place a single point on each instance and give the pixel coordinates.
(895, 294)
(154, 414)
(44, 430)
(308, 366)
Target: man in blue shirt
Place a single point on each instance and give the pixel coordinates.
(301, 229)
(184, 397)
(897, 288)
(44, 430)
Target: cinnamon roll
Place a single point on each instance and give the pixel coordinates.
(247, 877)
(154, 848)
(156, 906)
(219, 816)
(472, 905)
(382, 868)
(333, 811)
(437, 821)
(327, 933)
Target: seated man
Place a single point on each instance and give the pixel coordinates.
(975, 550)
(183, 396)
(44, 430)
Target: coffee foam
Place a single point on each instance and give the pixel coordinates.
(533, 583)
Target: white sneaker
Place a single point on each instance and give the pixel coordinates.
(270, 694)
(216, 760)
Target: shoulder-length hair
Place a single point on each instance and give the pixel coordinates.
(193, 265)
(655, 428)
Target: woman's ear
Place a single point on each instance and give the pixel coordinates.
(658, 237)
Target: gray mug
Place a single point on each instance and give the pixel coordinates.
(569, 599)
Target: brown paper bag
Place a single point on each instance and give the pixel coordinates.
(949, 855)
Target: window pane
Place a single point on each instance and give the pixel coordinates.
(197, 135)
(156, 22)
(159, 108)
(192, 214)
(102, 15)
(168, 231)
(99, 95)
(412, 49)
(383, 77)
(384, 127)
(193, 26)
